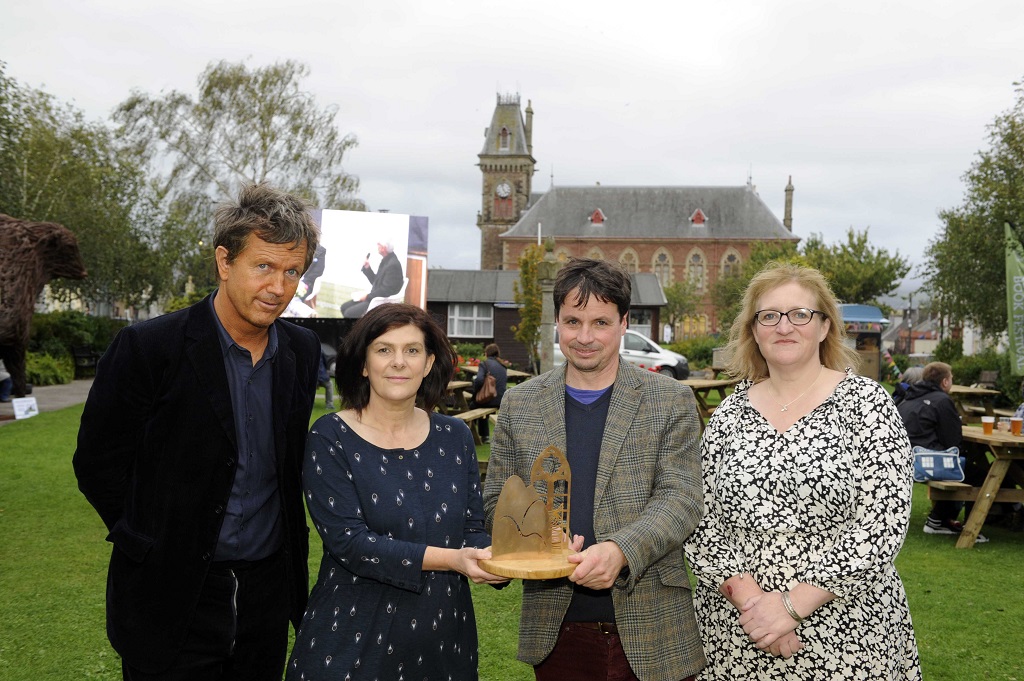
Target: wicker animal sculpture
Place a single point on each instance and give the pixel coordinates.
(31, 254)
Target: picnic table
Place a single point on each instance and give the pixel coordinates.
(702, 389)
(470, 417)
(514, 375)
(1007, 451)
(455, 400)
(972, 403)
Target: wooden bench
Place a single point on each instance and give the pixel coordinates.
(943, 490)
(482, 463)
(473, 415)
(980, 411)
(988, 379)
(85, 359)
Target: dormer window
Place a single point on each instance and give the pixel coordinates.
(597, 217)
(698, 218)
(503, 137)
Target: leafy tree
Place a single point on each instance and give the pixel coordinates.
(527, 295)
(728, 291)
(964, 267)
(246, 125)
(857, 272)
(58, 167)
(683, 299)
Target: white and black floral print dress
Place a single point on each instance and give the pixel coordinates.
(826, 503)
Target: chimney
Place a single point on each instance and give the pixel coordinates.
(787, 216)
(529, 127)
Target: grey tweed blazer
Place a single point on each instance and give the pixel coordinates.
(647, 500)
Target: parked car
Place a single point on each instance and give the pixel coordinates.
(642, 351)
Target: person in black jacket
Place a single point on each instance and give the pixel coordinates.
(491, 365)
(386, 281)
(190, 449)
(932, 422)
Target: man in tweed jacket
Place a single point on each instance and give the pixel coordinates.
(631, 437)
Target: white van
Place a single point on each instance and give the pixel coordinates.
(642, 351)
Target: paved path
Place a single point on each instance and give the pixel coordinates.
(51, 398)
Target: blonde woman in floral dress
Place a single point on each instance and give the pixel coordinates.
(807, 491)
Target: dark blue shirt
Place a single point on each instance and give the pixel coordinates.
(252, 520)
(584, 430)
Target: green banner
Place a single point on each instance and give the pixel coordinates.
(1015, 300)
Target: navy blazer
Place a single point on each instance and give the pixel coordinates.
(156, 457)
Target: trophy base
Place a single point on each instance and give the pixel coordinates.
(529, 566)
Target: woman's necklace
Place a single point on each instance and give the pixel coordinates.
(786, 405)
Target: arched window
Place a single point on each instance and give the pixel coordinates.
(630, 261)
(503, 137)
(695, 270)
(695, 325)
(730, 264)
(662, 267)
(596, 253)
(562, 254)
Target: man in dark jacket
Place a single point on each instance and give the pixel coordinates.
(190, 448)
(932, 422)
(386, 281)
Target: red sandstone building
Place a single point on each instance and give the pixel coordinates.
(676, 233)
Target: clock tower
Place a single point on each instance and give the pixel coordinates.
(507, 166)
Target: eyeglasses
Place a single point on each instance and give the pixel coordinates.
(798, 316)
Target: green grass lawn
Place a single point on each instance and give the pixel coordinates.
(966, 604)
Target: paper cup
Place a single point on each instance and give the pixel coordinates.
(1015, 425)
(987, 422)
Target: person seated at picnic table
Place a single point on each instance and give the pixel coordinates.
(932, 422)
(1015, 517)
(907, 379)
(491, 365)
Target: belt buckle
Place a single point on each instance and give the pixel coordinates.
(607, 628)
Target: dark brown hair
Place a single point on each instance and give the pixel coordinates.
(354, 388)
(270, 214)
(607, 281)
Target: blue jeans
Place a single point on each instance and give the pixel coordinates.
(6, 386)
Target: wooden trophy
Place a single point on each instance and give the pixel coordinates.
(531, 522)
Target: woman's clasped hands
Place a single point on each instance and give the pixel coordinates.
(768, 624)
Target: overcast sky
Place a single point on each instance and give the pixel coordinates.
(876, 109)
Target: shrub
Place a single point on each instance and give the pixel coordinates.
(967, 370)
(56, 333)
(470, 350)
(949, 350)
(699, 350)
(47, 370)
(902, 362)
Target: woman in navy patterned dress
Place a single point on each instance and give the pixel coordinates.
(807, 489)
(394, 491)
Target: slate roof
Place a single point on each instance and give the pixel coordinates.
(651, 212)
(495, 286)
(507, 115)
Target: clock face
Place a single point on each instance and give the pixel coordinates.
(504, 190)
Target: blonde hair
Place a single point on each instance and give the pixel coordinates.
(746, 360)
